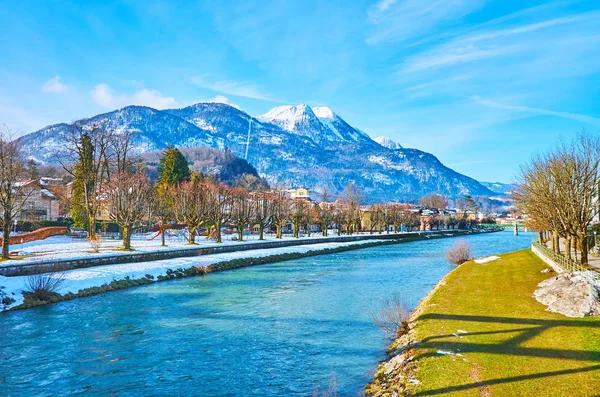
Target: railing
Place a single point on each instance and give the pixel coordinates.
(566, 264)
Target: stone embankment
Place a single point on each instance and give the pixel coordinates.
(24, 268)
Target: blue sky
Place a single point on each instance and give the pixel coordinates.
(481, 84)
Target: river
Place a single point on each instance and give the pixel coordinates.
(282, 329)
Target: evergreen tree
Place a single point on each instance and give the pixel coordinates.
(33, 170)
(173, 168)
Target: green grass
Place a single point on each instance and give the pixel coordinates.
(513, 346)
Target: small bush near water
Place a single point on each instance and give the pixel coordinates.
(392, 315)
(460, 253)
(43, 287)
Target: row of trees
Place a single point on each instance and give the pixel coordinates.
(558, 191)
(108, 179)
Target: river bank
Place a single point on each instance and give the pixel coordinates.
(90, 278)
(57, 254)
(481, 332)
(283, 328)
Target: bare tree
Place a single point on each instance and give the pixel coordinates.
(557, 192)
(120, 144)
(323, 215)
(12, 193)
(434, 200)
(242, 209)
(280, 211)
(298, 213)
(128, 196)
(189, 205)
(261, 214)
(218, 207)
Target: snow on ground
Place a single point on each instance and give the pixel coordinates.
(487, 259)
(66, 247)
(75, 280)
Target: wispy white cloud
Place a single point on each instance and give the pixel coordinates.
(230, 87)
(406, 19)
(383, 5)
(105, 96)
(493, 43)
(526, 109)
(55, 86)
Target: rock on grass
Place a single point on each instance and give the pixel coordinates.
(571, 294)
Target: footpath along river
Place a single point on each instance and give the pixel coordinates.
(283, 329)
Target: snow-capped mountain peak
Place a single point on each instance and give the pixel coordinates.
(323, 112)
(387, 142)
(298, 119)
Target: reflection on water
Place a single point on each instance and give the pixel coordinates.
(280, 329)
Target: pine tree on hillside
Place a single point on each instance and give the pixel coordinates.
(173, 168)
(33, 171)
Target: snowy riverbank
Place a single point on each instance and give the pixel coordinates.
(75, 281)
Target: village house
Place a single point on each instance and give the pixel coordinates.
(298, 193)
(38, 202)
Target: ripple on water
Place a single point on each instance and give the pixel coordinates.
(280, 329)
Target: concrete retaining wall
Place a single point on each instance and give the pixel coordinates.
(547, 260)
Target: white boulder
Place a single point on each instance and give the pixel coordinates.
(574, 294)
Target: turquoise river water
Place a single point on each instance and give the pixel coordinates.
(283, 329)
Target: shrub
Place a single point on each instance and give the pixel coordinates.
(392, 315)
(202, 270)
(44, 287)
(460, 253)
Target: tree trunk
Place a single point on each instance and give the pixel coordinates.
(91, 227)
(218, 225)
(278, 233)
(296, 229)
(240, 233)
(162, 236)
(127, 231)
(261, 231)
(192, 238)
(5, 237)
(567, 245)
(584, 248)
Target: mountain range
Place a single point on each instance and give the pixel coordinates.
(291, 146)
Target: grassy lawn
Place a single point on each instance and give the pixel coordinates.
(512, 347)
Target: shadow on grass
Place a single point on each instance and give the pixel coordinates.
(510, 347)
